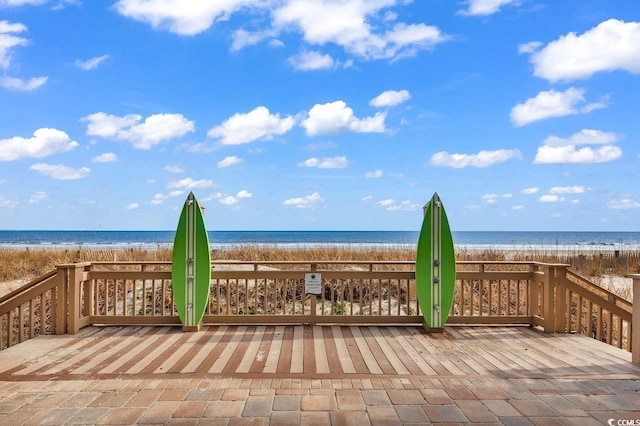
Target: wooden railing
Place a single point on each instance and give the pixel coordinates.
(520, 293)
(33, 309)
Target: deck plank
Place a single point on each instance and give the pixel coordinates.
(111, 353)
(320, 352)
(384, 354)
(231, 364)
(297, 351)
(286, 351)
(262, 353)
(365, 351)
(149, 348)
(413, 354)
(172, 354)
(271, 364)
(251, 350)
(346, 363)
(235, 337)
(211, 337)
(378, 354)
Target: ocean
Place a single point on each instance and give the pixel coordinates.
(472, 240)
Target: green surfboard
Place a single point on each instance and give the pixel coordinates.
(435, 265)
(191, 266)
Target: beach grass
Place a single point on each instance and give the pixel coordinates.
(28, 263)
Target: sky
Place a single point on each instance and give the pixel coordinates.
(320, 114)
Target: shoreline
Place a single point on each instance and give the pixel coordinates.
(586, 241)
(560, 248)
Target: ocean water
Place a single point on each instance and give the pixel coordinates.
(473, 240)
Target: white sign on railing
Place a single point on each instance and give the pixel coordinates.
(313, 283)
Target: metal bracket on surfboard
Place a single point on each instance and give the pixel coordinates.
(435, 266)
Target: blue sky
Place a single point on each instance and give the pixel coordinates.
(320, 114)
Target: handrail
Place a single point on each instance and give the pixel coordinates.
(594, 288)
(31, 310)
(487, 292)
(27, 286)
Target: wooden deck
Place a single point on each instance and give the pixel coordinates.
(331, 352)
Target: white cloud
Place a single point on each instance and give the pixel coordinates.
(517, 207)
(189, 183)
(367, 198)
(184, 18)
(485, 7)
(6, 203)
(20, 85)
(160, 198)
(60, 171)
(377, 174)
(133, 206)
(255, 125)
(243, 38)
(107, 157)
(45, 142)
(335, 117)
(311, 60)
(339, 162)
(15, 3)
(530, 191)
(153, 130)
(229, 161)
(174, 169)
(386, 203)
(367, 29)
(320, 146)
(350, 24)
(530, 47)
(548, 104)
(37, 197)
(307, 202)
(390, 98)
(230, 200)
(244, 194)
(392, 205)
(575, 189)
(109, 126)
(584, 136)
(623, 204)
(8, 41)
(548, 198)
(92, 63)
(612, 45)
(481, 159)
(566, 150)
(489, 198)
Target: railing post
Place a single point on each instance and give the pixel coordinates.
(74, 309)
(559, 276)
(314, 300)
(635, 321)
(532, 294)
(548, 299)
(60, 307)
